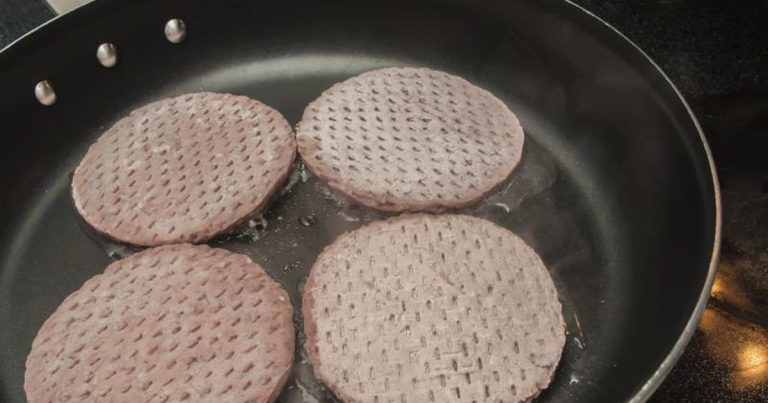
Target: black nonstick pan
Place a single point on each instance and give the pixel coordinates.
(616, 189)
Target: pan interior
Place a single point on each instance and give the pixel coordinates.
(612, 191)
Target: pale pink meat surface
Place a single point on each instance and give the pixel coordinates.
(410, 139)
(173, 323)
(184, 169)
(423, 308)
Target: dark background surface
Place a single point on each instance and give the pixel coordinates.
(717, 54)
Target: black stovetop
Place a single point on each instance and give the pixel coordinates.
(716, 52)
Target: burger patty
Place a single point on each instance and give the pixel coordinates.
(423, 308)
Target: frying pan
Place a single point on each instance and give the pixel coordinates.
(616, 190)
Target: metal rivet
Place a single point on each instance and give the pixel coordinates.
(107, 54)
(175, 30)
(44, 93)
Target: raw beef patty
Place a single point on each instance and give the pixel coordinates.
(423, 308)
(184, 169)
(173, 323)
(410, 139)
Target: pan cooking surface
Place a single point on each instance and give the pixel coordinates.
(612, 191)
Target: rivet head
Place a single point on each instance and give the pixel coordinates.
(107, 54)
(44, 93)
(175, 30)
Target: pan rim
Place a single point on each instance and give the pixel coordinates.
(652, 384)
(644, 392)
(15, 43)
